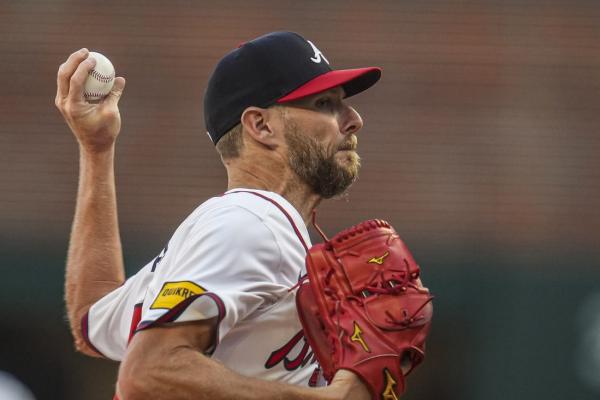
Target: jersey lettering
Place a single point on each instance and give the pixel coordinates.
(159, 258)
(314, 378)
(282, 353)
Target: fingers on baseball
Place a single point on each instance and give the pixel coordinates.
(78, 78)
(65, 72)
(116, 91)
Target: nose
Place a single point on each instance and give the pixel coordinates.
(351, 121)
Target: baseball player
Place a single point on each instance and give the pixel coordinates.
(214, 314)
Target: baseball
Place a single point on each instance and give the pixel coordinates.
(101, 79)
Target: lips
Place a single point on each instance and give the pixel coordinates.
(349, 145)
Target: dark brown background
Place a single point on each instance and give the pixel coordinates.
(480, 145)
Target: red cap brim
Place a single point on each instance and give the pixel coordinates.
(353, 81)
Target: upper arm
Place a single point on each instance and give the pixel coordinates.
(198, 335)
(165, 362)
(156, 357)
(227, 260)
(110, 321)
(225, 265)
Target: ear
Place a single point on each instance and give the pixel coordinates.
(258, 124)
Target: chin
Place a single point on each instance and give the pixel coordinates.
(348, 160)
(347, 157)
(351, 170)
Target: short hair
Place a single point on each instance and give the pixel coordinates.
(230, 144)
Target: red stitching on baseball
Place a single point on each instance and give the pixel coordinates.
(102, 78)
(87, 94)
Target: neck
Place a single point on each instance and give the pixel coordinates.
(273, 177)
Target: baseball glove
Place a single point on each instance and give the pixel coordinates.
(363, 307)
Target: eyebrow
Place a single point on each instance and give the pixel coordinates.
(303, 102)
(334, 90)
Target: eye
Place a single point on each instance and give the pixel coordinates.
(324, 103)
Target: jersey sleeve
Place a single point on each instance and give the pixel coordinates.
(110, 322)
(225, 264)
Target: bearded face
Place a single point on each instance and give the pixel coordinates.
(328, 172)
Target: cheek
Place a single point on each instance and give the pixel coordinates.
(324, 130)
(330, 137)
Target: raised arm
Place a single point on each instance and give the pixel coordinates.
(95, 260)
(168, 363)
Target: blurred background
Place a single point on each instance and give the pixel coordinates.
(480, 146)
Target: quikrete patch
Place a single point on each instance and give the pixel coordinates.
(173, 293)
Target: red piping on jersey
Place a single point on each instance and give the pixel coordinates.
(175, 312)
(85, 332)
(135, 320)
(282, 210)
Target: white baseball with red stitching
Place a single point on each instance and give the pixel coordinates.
(101, 79)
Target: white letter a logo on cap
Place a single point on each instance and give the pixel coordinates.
(318, 55)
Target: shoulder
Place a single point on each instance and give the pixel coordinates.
(222, 240)
(269, 208)
(228, 212)
(259, 203)
(247, 220)
(231, 221)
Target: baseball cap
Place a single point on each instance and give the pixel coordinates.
(275, 68)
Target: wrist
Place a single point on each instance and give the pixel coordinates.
(331, 392)
(97, 153)
(347, 385)
(96, 168)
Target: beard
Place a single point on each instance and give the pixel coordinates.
(322, 172)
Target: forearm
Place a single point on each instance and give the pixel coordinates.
(95, 260)
(186, 374)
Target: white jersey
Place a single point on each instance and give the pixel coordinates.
(237, 257)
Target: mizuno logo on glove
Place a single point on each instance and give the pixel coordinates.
(357, 337)
(378, 260)
(390, 383)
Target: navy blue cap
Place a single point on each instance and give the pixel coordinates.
(274, 68)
